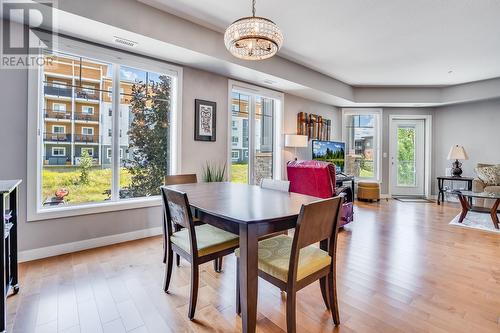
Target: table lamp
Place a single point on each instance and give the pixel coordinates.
(296, 141)
(457, 153)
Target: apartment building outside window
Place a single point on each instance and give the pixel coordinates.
(88, 74)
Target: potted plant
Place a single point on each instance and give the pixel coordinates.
(214, 172)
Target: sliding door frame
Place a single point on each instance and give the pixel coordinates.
(254, 91)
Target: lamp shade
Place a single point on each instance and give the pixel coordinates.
(296, 141)
(457, 153)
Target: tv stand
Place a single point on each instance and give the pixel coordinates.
(341, 178)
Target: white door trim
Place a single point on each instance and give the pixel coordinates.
(428, 148)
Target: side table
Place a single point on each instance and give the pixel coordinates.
(441, 181)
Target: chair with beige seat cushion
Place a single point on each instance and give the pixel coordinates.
(292, 263)
(196, 244)
(188, 178)
(487, 180)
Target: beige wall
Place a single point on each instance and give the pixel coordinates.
(211, 87)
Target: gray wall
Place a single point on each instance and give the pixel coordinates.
(476, 126)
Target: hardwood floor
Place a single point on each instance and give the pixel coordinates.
(401, 267)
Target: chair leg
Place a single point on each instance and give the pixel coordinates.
(216, 265)
(194, 290)
(290, 311)
(219, 264)
(324, 291)
(238, 300)
(168, 268)
(332, 289)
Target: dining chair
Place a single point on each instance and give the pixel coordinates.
(292, 263)
(275, 184)
(197, 244)
(188, 178)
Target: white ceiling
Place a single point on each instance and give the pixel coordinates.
(373, 42)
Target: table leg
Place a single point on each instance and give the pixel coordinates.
(493, 213)
(465, 207)
(440, 187)
(248, 277)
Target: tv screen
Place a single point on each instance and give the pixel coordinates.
(329, 151)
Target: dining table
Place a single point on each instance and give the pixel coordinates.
(250, 212)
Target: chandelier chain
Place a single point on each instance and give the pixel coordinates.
(253, 8)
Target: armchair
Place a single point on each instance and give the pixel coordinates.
(317, 178)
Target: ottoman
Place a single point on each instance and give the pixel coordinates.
(368, 191)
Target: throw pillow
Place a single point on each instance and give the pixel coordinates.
(489, 175)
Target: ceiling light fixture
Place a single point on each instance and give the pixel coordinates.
(253, 37)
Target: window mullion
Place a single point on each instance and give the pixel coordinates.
(115, 138)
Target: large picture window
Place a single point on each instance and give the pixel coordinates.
(255, 133)
(361, 133)
(76, 143)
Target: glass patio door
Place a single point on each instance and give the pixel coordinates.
(252, 137)
(407, 149)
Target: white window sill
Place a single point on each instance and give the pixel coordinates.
(93, 208)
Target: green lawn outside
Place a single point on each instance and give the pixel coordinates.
(69, 178)
(239, 173)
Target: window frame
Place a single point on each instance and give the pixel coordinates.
(89, 149)
(54, 129)
(35, 212)
(88, 107)
(57, 147)
(87, 128)
(58, 110)
(377, 112)
(278, 149)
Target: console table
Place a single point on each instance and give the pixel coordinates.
(441, 181)
(8, 249)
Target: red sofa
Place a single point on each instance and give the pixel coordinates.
(317, 178)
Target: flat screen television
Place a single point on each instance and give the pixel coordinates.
(329, 151)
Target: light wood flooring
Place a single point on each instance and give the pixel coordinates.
(401, 268)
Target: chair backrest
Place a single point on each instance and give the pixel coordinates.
(181, 179)
(177, 211)
(274, 184)
(316, 178)
(317, 222)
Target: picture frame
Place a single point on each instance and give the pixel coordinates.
(205, 120)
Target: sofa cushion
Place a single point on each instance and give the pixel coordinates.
(489, 175)
(492, 189)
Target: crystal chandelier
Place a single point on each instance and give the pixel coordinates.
(253, 38)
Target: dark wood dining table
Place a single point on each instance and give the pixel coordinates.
(250, 212)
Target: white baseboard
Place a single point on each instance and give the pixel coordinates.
(50, 251)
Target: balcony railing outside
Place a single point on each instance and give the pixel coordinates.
(56, 114)
(86, 117)
(86, 138)
(56, 160)
(57, 137)
(57, 90)
(87, 94)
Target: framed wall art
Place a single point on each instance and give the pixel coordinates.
(204, 120)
